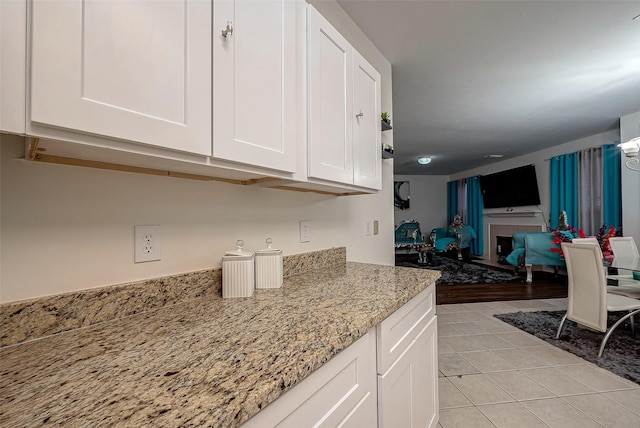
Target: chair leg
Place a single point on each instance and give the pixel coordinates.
(564, 319)
(529, 274)
(620, 321)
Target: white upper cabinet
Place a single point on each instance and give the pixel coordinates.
(133, 70)
(367, 126)
(224, 88)
(13, 48)
(255, 77)
(330, 59)
(344, 109)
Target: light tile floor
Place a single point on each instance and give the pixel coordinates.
(495, 375)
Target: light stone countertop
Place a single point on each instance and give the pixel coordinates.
(208, 361)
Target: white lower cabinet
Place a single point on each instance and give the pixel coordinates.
(342, 393)
(388, 378)
(408, 391)
(407, 356)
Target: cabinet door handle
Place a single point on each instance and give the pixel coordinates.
(359, 115)
(228, 32)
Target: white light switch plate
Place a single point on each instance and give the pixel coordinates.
(305, 231)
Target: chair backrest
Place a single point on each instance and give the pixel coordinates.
(587, 285)
(408, 231)
(623, 246)
(585, 241)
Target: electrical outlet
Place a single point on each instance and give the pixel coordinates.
(305, 231)
(147, 244)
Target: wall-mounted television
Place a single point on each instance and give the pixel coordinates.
(511, 188)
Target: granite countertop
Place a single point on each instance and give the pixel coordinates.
(209, 361)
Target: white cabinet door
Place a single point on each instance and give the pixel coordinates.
(341, 393)
(13, 64)
(408, 391)
(132, 70)
(255, 81)
(330, 145)
(367, 160)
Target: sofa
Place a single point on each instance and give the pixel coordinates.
(456, 237)
(534, 248)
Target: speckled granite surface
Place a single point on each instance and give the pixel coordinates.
(41, 317)
(208, 361)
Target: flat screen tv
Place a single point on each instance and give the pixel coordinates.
(511, 188)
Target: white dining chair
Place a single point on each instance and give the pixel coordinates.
(585, 241)
(623, 246)
(632, 291)
(589, 302)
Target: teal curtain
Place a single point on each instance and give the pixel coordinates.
(475, 206)
(612, 188)
(452, 200)
(564, 189)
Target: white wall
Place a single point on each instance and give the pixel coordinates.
(426, 196)
(630, 128)
(67, 228)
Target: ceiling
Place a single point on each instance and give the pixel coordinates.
(476, 78)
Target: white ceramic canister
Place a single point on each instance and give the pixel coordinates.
(268, 267)
(238, 273)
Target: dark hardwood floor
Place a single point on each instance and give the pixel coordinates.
(544, 286)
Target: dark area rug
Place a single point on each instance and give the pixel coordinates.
(621, 355)
(458, 272)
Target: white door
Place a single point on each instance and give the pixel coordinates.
(408, 392)
(367, 138)
(255, 62)
(330, 153)
(128, 69)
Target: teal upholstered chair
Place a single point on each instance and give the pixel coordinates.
(456, 237)
(534, 248)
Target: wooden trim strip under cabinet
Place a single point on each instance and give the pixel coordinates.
(40, 157)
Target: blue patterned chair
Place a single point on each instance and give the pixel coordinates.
(408, 236)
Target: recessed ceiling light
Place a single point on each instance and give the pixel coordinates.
(493, 156)
(424, 160)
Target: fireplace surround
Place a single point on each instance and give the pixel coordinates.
(506, 231)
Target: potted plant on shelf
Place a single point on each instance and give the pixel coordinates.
(386, 117)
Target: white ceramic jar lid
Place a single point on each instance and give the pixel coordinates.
(268, 250)
(239, 251)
